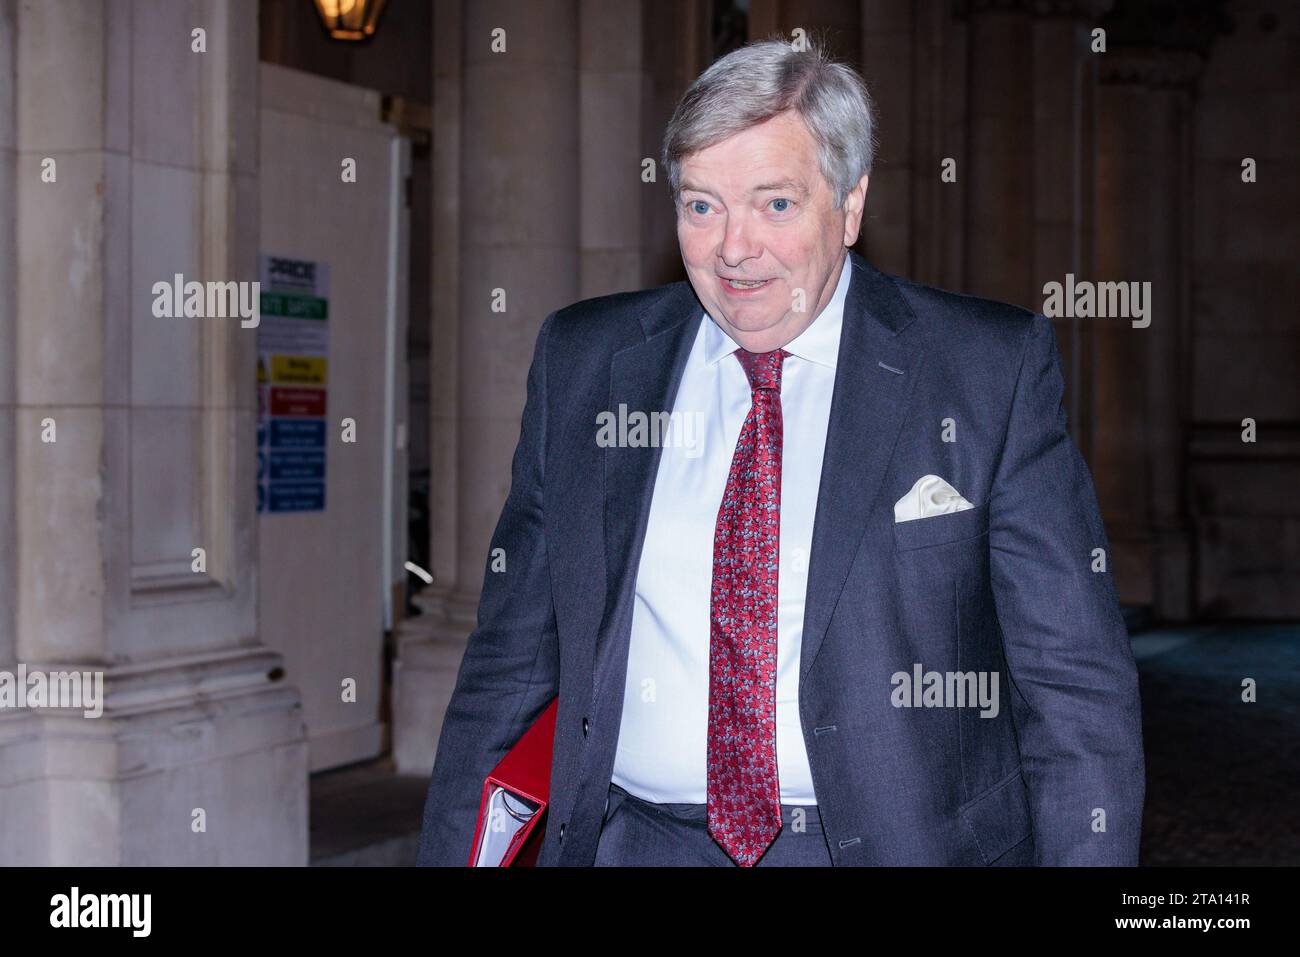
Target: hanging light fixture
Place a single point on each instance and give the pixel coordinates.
(350, 19)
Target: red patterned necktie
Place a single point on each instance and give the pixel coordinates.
(744, 795)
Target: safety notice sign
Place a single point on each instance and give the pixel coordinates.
(292, 386)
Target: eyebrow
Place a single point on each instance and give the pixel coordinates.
(785, 184)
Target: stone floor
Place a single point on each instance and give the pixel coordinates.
(1223, 777)
(366, 815)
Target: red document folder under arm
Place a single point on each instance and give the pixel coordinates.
(515, 796)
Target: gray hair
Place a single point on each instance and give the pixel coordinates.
(758, 81)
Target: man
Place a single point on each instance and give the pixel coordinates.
(856, 617)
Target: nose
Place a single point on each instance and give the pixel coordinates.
(739, 241)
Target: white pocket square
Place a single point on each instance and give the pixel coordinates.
(930, 495)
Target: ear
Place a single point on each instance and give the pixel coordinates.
(854, 204)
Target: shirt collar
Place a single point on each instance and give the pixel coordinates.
(819, 343)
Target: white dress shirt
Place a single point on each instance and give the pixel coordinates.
(662, 742)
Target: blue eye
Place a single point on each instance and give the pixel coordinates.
(780, 209)
(695, 207)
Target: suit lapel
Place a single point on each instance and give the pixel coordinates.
(643, 377)
(867, 410)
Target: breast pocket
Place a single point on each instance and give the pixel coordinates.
(969, 523)
(938, 562)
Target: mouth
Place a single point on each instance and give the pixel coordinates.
(744, 286)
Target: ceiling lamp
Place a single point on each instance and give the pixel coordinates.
(350, 19)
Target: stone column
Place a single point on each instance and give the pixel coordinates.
(1142, 224)
(610, 88)
(8, 337)
(677, 45)
(888, 66)
(519, 237)
(1064, 75)
(445, 303)
(938, 110)
(998, 167)
(429, 646)
(199, 755)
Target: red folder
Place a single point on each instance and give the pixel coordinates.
(515, 796)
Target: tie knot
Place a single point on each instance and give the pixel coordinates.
(762, 368)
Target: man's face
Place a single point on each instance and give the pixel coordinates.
(756, 207)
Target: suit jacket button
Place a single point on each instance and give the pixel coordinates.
(585, 725)
(561, 832)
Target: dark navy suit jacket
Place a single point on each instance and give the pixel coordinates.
(1007, 586)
